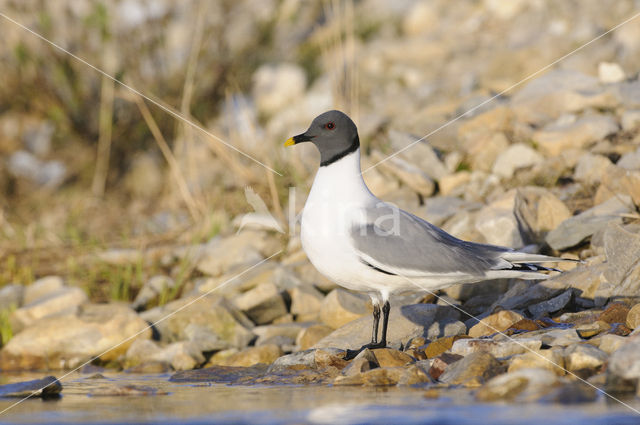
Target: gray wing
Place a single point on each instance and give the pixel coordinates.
(393, 240)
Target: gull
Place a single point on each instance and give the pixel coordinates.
(370, 246)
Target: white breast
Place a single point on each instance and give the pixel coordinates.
(336, 201)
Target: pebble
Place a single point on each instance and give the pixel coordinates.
(551, 359)
(504, 348)
(266, 354)
(385, 376)
(496, 322)
(340, 307)
(45, 388)
(471, 371)
(584, 359)
(524, 385)
(633, 317)
(262, 304)
(405, 322)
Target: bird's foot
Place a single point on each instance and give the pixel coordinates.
(351, 354)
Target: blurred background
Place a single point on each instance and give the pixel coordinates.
(92, 174)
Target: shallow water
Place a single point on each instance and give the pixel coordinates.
(86, 400)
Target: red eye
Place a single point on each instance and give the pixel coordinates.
(330, 125)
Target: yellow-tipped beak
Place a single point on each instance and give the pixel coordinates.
(290, 142)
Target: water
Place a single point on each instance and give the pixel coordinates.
(86, 400)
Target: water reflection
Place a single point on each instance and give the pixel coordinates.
(119, 398)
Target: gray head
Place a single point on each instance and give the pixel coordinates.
(333, 133)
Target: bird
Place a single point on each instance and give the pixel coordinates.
(367, 245)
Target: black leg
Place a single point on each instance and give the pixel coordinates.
(376, 321)
(374, 337)
(386, 308)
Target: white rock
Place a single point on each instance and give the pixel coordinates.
(275, 86)
(60, 302)
(591, 168)
(515, 157)
(41, 288)
(609, 73)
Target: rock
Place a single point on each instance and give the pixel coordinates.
(550, 306)
(559, 92)
(421, 154)
(513, 158)
(615, 313)
(11, 296)
(266, 354)
(152, 290)
(629, 92)
(220, 374)
(610, 73)
(483, 151)
(496, 322)
(308, 337)
(277, 86)
(633, 317)
(584, 359)
(551, 337)
(63, 301)
(45, 387)
(591, 168)
(503, 348)
(405, 322)
(41, 288)
(409, 375)
(67, 341)
(609, 342)
(279, 332)
(213, 312)
(619, 183)
(622, 276)
(236, 252)
(576, 229)
(440, 364)
(420, 19)
(363, 362)
(407, 173)
(184, 355)
(551, 359)
(341, 307)
(447, 184)
(306, 302)
(439, 209)
(48, 174)
(472, 371)
(312, 359)
(204, 338)
(592, 329)
(498, 224)
(388, 357)
(440, 345)
(625, 361)
(556, 138)
(630, 121)
(119, 390)
(630, 160)
(498, 119)
(521, 385)
(262, 304)
(231, 284)
(539, 211)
